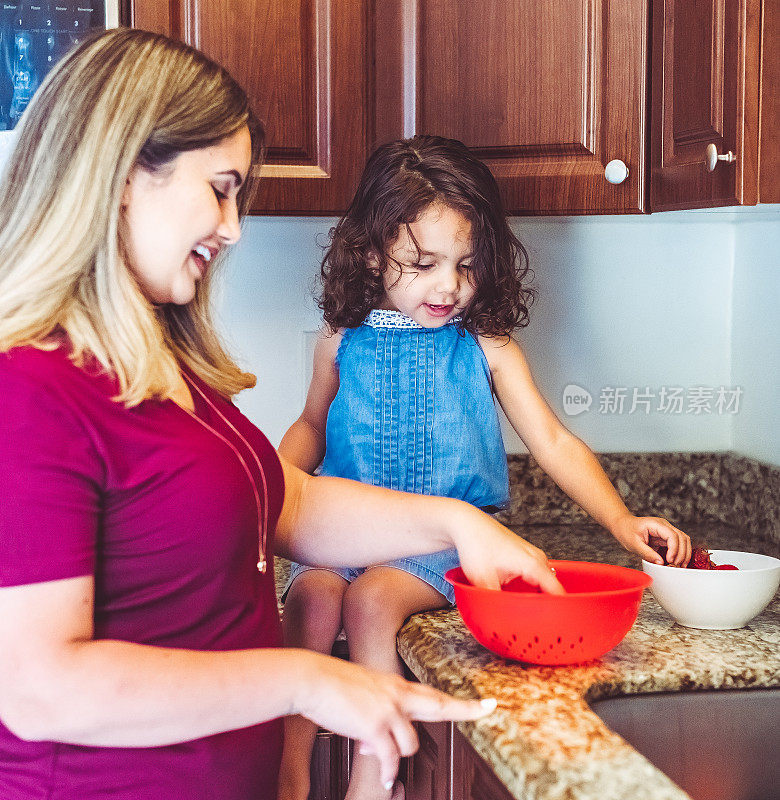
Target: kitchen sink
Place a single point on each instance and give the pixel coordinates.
(715, 745)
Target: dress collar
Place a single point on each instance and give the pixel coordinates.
(385, 318)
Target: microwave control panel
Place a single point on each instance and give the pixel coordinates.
(34, 36)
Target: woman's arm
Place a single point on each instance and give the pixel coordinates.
(333, 521)
(58, 684)
(304, 443)
(569, 461)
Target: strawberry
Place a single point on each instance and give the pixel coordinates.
(726, 566)
(700, 559)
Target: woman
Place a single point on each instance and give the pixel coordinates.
(139, 510)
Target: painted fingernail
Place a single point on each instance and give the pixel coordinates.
(489, 704)
(389, 785)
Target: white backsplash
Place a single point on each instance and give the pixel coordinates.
(624, 302)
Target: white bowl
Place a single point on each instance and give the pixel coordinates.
(716, 599)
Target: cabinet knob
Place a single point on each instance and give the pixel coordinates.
(711, 157)
(616, 171)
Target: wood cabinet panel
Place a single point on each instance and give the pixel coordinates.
(305, 66)
(282, 61)
(428, 772)
(705, 92)
(329, 767)
(546, 93)
(473, 779)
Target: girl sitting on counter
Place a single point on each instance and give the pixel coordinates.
(423, 284)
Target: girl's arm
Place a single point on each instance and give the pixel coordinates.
(334, 522)
(304, 442)
(568, 460)
(59, 684)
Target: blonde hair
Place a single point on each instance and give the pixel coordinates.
(122, 99)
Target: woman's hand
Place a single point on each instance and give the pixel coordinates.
(638, 534)
(375, 708)
(491, 555)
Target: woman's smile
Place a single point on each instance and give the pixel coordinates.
(202, 256)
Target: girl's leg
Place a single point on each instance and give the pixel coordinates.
(375, 607)
(312, 619)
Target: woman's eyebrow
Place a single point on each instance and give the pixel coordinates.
(238, 180)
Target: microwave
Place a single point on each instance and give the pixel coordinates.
(33, 37)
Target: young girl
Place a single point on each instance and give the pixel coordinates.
(422, 287)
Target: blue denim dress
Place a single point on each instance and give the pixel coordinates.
(414, 411)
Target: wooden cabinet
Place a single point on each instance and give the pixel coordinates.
(305, 66)
(472, 778)
(547, 93)
(705, 85)
(769, 136)
(446, 767)
(329, 767)
(428, 772)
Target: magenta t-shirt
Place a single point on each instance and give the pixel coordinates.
(161, 510)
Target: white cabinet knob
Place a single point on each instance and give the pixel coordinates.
(616, 171)
(711, 157)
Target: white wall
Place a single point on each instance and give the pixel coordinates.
(266, 305)
(756, 339)
(625, 302)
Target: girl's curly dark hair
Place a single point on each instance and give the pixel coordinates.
(400, 180)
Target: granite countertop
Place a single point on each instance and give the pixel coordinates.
(543, 741)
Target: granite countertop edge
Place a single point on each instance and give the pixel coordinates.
(543, 741)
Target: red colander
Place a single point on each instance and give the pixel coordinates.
(519, 621)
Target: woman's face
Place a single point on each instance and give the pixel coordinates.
(176, 220)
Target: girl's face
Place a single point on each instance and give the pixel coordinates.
(433, 285)
(176, 220)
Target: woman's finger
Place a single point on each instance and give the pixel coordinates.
(386, 750)
(405, 737)
(427, 704)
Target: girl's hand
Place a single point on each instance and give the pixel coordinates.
(375, 708)
(491, 555)
(637, 534)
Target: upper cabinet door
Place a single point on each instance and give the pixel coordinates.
(547, 93)
(705, 103)
(304, 64)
